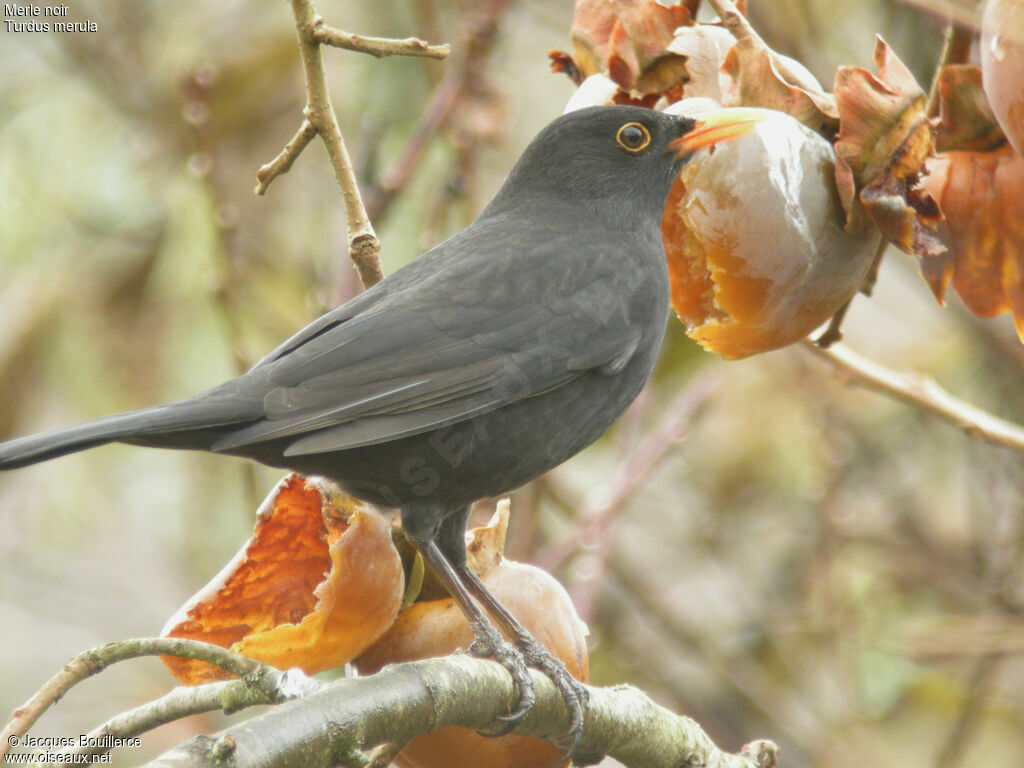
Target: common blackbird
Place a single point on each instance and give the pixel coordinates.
(487, 361)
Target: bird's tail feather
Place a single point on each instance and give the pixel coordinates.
(191, 424)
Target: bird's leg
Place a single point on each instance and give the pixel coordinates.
(573, 692)
(488, 643)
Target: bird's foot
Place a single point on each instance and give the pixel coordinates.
(528, 652)
(491, 645)
(572, 691)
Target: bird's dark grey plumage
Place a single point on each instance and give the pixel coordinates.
(490, 359)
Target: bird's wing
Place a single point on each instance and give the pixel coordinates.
(440, 354)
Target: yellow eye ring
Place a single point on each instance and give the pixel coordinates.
(633, 137)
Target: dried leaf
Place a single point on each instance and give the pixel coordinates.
(704, 48)
(982, 196)
(758, 77)
(628, 39)
(485, 544)
(563, 62)
(884, 139)
(966, 119)
(317, 583)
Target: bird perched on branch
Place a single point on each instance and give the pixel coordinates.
(487, 361)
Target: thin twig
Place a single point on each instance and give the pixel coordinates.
(833, 334)
(95, 660)
(956, 46)
(283, 162)
(268, 686)
(964, 14)
(363, 245)
(379, 46)
(967, 722)
(922, 392)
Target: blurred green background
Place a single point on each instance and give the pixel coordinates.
(801, 560)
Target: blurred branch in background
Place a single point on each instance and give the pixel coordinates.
(464, 79)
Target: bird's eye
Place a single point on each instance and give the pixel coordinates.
(633, 137)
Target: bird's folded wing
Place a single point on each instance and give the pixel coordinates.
(398, 370)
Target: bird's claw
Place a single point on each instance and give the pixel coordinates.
(517, 660)
(573, 692)
(493, 646)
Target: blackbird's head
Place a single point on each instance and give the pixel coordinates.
(618, 161)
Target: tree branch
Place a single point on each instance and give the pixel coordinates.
(922, 392)
(266, 686)
(95, 660)
(363, 244)
(378, 46)
(283, 162)
(408, 700)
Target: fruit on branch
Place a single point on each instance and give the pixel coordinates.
(1002, 65)
(315, 585)
(758, 256)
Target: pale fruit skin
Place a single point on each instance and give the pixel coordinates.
(754, 234)
(1002, 65)
(438, 628)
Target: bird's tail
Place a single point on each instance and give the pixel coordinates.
(192, 424)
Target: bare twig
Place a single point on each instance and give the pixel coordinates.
(379, 46)
(952, 751)
(267, 686)
(93, 661)
(833, 334)
(922, 392)
(964, 14)
(406, 700)
(363, 245)
(283, 162)
(956, 46)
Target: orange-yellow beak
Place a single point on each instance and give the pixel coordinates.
(717, 125)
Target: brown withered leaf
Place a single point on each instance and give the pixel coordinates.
(884, 139)
(982, 196)
(317, 583)
(758, 77)
(704, 47)
(485, 544)
(966, 120)
(628, 39)
(563, 62)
